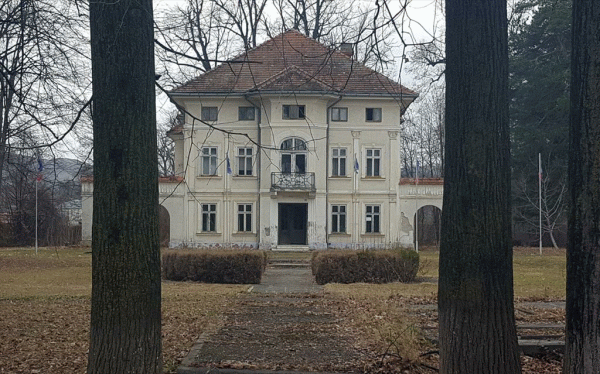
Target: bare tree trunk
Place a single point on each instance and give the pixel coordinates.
(125, 334)
(476, 311)
(583, 254)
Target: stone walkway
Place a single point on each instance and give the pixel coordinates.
(280, 327)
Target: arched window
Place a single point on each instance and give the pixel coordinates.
(293, 156)
(293, 144)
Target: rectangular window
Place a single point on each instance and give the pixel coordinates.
(339, 114)
(244, 218)
(209, 217)
(373, 115)
(373, 162)
(338, 162)
(244, 161)
(372, 219)
(246, 113)
(294, 112)
(209, 113)
(338, 218)
(208, 161)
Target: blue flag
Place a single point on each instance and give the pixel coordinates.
(228, 165)
(40, 169)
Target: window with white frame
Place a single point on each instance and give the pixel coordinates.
(339, 114)
(209, 217)
(209, 113)
(244, 159)
(208, 161)
(372, 219)
(338, 162)
(244, 218)
(246, 113)
(373, 160)
(338, 218)
(293, 156)
(294, 112)
(373, 115)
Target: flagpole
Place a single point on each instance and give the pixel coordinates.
(417, 209)
(37, 180)
(540, 195)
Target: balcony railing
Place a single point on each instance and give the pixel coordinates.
(293, 181)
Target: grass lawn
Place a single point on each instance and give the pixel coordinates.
(45, 307)
(535, 278)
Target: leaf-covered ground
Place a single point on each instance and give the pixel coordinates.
(45, 309)
(44, 317)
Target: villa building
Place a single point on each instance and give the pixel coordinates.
(291, 145)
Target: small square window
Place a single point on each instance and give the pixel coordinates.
(246, 113)
(373, 115)
(294, 112)
(339, 114)
(210, 113)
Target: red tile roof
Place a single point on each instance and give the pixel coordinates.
(422, 181)
(169, 179)
(175, 130)
(292, 62)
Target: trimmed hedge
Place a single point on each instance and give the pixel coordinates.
(214, 266)
(376, 266)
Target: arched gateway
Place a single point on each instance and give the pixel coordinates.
(423, 195)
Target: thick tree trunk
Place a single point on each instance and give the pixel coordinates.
(583, 254)
(125, 335)
(476, 311)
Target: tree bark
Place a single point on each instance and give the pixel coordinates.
(125, 334)
(476, 311)
(583, 249)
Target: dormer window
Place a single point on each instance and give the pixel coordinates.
(294, 112)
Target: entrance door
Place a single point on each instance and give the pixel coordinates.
(292, 224)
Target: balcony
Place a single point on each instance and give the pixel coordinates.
(301, 182)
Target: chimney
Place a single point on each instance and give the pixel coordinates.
(347, 49)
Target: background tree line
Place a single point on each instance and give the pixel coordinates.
(539, 78)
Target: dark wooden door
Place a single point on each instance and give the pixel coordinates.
(292, 223)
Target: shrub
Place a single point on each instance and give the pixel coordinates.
(377, 266)
(214, 266)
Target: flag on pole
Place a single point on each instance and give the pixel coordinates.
(540, 170)
(228, 165)
(355, 165)
(40, 169)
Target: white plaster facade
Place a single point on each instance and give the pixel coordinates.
(311, 166)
